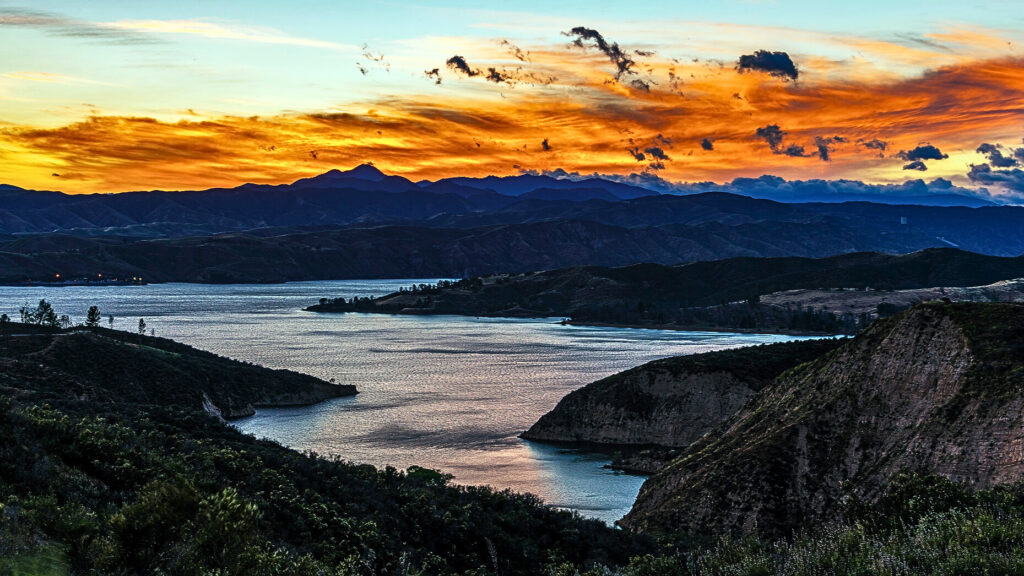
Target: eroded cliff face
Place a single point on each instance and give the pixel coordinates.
(939, 389)
(653, 407)
(672, 402)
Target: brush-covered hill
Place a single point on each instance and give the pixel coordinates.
(109, 464)
(935, 390)
(708, 294)
(100, 366)
(674, 401)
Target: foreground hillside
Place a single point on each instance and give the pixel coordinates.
(710, 294)
(101, 366)
(109, 464)
(98, 480)
(936, 390)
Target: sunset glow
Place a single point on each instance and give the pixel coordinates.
(163, 99)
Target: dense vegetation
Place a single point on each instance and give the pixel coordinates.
(109, 480)
(721, 294)
(98, 480)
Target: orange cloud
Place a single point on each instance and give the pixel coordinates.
(590, 119)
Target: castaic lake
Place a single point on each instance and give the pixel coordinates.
(450, 393)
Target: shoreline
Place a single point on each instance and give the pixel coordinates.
(585, 323)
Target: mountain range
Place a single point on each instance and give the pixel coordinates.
(365, 224)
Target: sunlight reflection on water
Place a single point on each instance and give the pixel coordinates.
(445, 392)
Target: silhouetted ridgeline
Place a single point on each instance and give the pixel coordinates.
(714, 294)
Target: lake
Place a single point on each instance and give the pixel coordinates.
(444, 392)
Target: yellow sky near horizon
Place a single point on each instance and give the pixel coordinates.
(857, 103)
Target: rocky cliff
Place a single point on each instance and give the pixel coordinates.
(938, 389)
(671, 402)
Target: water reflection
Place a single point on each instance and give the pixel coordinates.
(444, 392)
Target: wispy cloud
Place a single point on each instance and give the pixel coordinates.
(50, 78)
(225, 31)
(61, 25)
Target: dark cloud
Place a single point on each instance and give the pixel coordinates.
(922, 152)
(498, 76)
(641, 85)
(824, 146)
(707, 144)
(659, 165)
(60, 25)
(875, 144)
(376, 58)
(663, 140)
(1010, 179)
(644, 53)
(516, 51)
(434, 75)
(995, 155)
(362, 69)
(794, 150)
(777, 64)
(773, 135)
(459, 64)
(509, 76)
(545, 145)
(623, 63)
(636, 153)
(314, 154)
(656, 152)
(915, 165)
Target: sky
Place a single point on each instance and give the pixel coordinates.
(110, 96)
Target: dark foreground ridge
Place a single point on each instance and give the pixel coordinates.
(935, 390)
(135, 477)
(718, 294)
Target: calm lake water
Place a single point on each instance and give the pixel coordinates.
(445, 392)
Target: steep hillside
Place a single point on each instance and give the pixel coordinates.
(938, 389)
(671, 402)
(100, 367)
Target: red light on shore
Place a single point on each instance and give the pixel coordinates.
(58, 275)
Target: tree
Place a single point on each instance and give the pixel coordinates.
(41, 314)
(110, 321)
(92, 317)
(142, 327)
(64, 321)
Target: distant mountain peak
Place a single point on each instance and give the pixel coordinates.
(362, 172)
(367, 172)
